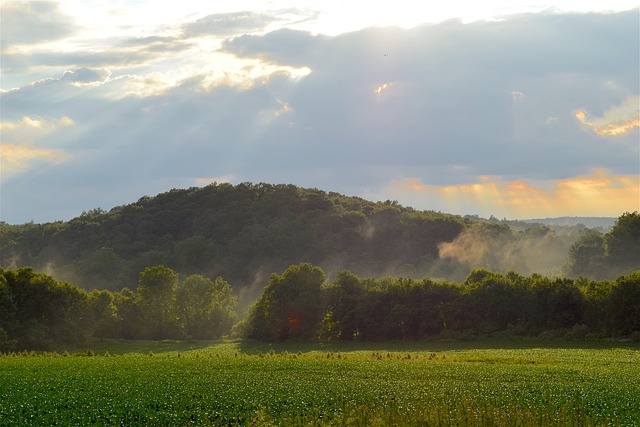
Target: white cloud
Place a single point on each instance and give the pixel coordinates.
(30, 22)
(228, 24)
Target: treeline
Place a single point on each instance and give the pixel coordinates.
(245, 232)
(38, 312)
(298, 305)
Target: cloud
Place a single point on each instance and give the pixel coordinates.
(381, 88)
(488, 99)
(40, 124)
(219, 179)
(22, 143)
(228, 24)
(618, 120)
(284, 46)
(129, 54)
(84, 76)
(517, 96)
(18, 157)
(31, 22)
(20, 139)
(521, 199)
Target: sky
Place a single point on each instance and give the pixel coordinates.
(516, 109)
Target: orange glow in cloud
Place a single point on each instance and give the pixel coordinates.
(17, 147)
(34, 123)
(597, 194)
(285, 109)
(619, 120)
(17, 157)
(219, 180)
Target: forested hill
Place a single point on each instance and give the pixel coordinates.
(604, 223)
(246, 232)
(243, 233)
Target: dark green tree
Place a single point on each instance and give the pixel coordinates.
(130, 316)
(45, 312)
(206, 308)
(104, 313)
(623, 305)
(492, 302)
(344, 296)
(157, 289)
(596, 294)
(290, 307)
(7, 315)
(555, 304)
(622, 244)
(586, 255)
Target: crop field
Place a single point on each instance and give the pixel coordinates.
(167, 383)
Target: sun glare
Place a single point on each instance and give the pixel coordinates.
(381, 88)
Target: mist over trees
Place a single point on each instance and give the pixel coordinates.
(37, 312)
(243, 233)
(246, 232)
(428, 274)
(601, 256)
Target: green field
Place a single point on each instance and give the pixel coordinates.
(479, 383)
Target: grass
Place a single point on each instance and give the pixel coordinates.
(244, 383)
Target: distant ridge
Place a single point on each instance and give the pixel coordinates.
(590, 222)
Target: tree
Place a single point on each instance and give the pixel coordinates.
(290, 307)
(103, 313)
(596, 297)
(555, 304)
(622, 243)
(157, 288)
(586, 255)
(205, 307)
(344, 298)
(7, 315)
(130, 317)
(102, 266)
(42, 311)
(623, 306)
(492, 301)
(222, 314)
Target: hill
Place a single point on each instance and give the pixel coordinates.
(604, 223)
(243, 233)
(246, 232)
